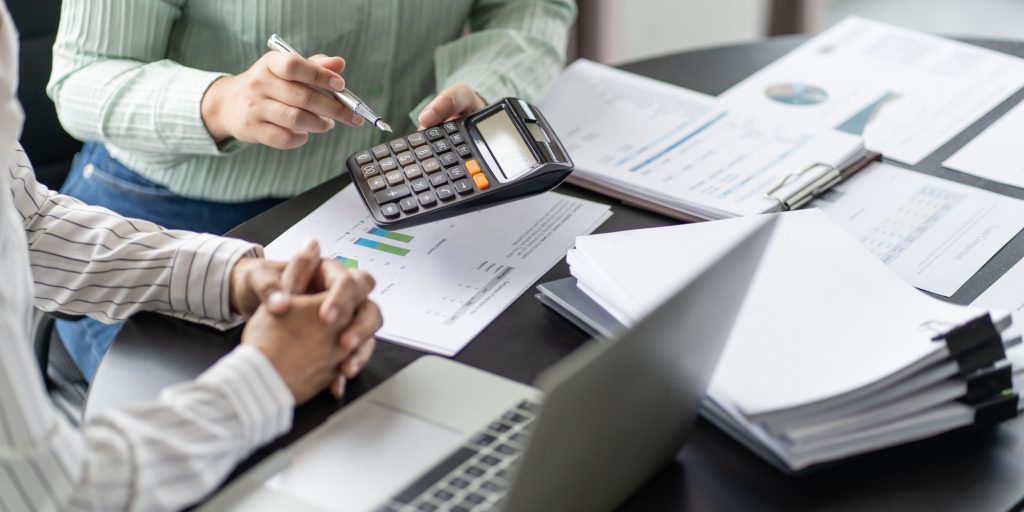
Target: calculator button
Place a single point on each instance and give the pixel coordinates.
(363, 157)
(463, 150)
(398, 145)
(463, 186)
(392, 194)
(473, 167)
(445, 193)
(380, 151)
(370, 170)
(419, 185)
(408, 205)
(438, 179)
(389, 210)
(441, 146)
(431, 166)
(417, 139)
(412, 172)
(388, 164)
(376, 183)
(448, 159)
(456, 172)
(481, 181)
(394, 178)
(424, 152)
(405, 159)
(427, 199)
(457, 138)
(451, 127)
(434, 133)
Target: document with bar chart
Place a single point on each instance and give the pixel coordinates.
(440, 284)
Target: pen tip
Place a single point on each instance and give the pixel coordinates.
(383, 126)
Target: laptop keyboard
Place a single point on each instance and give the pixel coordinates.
(475, 476)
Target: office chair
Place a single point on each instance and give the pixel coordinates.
(52, 151)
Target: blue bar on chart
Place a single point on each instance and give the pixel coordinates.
(390, 235)
(390, 249)
(348, 262)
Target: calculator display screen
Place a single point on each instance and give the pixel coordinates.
(506, 144)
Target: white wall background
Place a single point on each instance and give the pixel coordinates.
(626, 30)
(984, 18)
(618, 31)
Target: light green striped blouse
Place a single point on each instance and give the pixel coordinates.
(132, 73)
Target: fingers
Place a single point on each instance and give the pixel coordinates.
(455, 101)
(366, 322)
(299, 271)
(294, 118)
(345, 288)
(358, 360)
(312, 101)
(292, 67)
(265, 282)
(338, 386)
(335, 64)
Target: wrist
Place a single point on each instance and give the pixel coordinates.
(211, 110)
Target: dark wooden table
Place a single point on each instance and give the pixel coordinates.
(971, 470)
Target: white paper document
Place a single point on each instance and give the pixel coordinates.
(935, 233)
(997, 153)
(679, 148)
(820, 310)
(1007, 294)
(907, 93)
(440, 284)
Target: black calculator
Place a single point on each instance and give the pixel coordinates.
(505, 151)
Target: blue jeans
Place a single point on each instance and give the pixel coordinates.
(96, 178)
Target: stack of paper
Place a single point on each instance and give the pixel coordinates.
(832, 355)
(649, 142)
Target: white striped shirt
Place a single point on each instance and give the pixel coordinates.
(88, 260)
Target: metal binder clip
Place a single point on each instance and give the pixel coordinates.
(827, 179)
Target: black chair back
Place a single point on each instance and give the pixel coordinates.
(47, 144)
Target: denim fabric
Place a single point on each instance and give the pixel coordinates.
(96, 178)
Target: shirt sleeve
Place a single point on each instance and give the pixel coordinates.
(164, 455)
(112, 81)
(516, 48)
(87, 260)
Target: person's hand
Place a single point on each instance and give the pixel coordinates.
(276, 102)
(454, 102)
(303, 348)
(273, 284)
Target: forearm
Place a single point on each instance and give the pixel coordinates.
(161, 456)
(517, 48)
(121, 89)
(91, 261)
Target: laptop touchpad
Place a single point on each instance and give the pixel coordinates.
(368, 452)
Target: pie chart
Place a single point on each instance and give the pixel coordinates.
(796, 94)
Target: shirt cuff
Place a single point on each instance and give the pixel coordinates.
(200, 280)
(179, 119)
(255, 391)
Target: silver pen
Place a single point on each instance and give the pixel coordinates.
(345, 97)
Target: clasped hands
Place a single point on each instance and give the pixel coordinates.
(311, 317)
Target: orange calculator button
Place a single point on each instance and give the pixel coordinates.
(481, 181)
(474, 168)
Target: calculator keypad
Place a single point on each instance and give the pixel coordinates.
(424, 170)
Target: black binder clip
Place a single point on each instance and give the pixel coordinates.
(1001, 408)
(987, 383)
(974, 345)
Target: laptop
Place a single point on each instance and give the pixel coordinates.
(440, 435)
